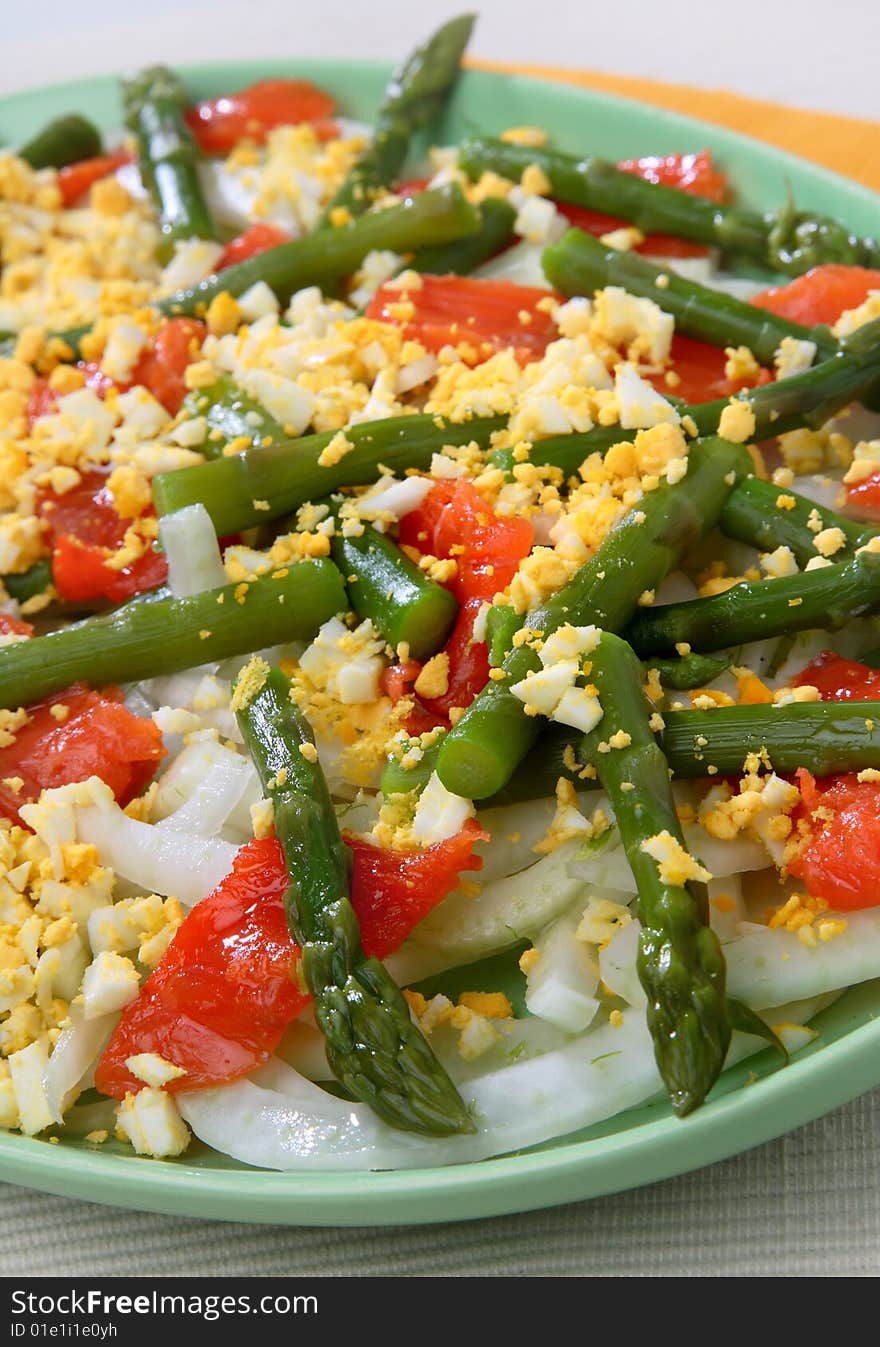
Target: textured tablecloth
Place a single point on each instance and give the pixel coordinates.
(806, 1204)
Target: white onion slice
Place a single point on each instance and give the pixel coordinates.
(165, 861)
(190, 543)
(78, 1048)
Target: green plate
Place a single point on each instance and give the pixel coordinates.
(754, 1101)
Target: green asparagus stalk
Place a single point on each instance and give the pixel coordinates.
(502, 622)
(464, 255)
(417, 92)
(680, 963)
(823, 599)
(826, 737)
(481, 751)
(231, 414)
(579, 265)
(807, 399)
(785, 239)
(328, 254)
(284, 476)
(27, 584)
(404, 606)
(767, 516)
(154, 103)
(64, 141)
(373, 1046)
(155, 634)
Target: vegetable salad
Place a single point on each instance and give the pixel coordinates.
(439, 694)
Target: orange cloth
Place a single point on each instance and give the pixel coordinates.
(847, 145)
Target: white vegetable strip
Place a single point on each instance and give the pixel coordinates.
(294, 1125)
(462, 928)
(225, 779)
(166, 861)
(767, 967)
(77, 1049)
(190, 543)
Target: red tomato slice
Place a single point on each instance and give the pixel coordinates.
(454, 520)
(488, 315)
(392, 891)
(700, 370)
(162, 365)
(840, 680)
(76, 179)
(220, 123)
(222, 995)
(693, 173)
(258, 238)
(841, 859)
(226, 989)
(821, 295)
(655, 245)
(84, 531)
(863, 498)
(12, 626)
(98, 737)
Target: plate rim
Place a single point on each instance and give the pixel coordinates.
(567, 1171)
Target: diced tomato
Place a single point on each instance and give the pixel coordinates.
(655, 245)
(700, 371)
(76, 179)
(220, 123)
(258, 238)
(43, 399)
(840, 860)
(487, 315)
(839, 679)
(693, 173)
(453, 520)
(863, 498)
(97, 737)
(84, 530)
(412, 186)
(821, 295)
(397, 682)
(392, 891)
(226, 989)
(81, 574)
(12, 626)
(162, 364)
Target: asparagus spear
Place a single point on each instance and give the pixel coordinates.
(785, 239)
(385, 586)
(579, 264)
(372, 1044)
(680, 963)
(807, 399)
(464, 255)
(767, 516)
(286, 475)
(416, 93)
(231, 414)
(63, 141)
(154, 103)
(826, 737)
(822, 599)
(481, 751)
(27, 584)
(327, 254)
(155, 634)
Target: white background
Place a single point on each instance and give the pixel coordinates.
(813, 53)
